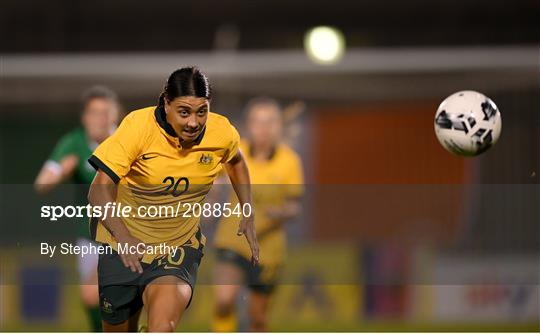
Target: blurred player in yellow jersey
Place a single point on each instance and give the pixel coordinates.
(277, 178)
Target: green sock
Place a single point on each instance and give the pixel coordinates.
(95, 319)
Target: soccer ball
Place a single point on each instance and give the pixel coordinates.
(467, 123)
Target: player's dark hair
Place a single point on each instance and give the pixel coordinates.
(186, 81)
(99, 92)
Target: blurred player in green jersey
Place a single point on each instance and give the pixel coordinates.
(69, 163)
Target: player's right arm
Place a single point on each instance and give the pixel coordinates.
(112, 159)
(51, 175)
(59, 167)
(102, 191)
(294, 185)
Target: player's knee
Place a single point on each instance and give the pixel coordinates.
(225, 300)
(162, 325)
(89, 295)
(224, 307)
(258, 323)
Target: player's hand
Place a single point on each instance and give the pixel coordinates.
(131, 261)
(247, 228)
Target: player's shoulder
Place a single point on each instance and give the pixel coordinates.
(218, 121)
(139, 121)
(75, 135)
(220, 129)
(287, 152)
(140, 116)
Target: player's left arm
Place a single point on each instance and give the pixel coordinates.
(288, 210)
(294, 186)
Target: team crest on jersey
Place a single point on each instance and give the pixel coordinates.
(206, 159)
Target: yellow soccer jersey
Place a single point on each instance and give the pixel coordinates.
(145, 158)
(273, 182)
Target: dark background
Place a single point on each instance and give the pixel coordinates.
(123, 25)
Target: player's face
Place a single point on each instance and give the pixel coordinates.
(187, 115)
(264, 125)
(100, 116)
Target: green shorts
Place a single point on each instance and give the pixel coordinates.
(121, 290)
(259, 278)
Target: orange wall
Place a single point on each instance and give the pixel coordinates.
(382, 143)
(382, 175)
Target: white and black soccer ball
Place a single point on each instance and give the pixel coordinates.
(467, 123)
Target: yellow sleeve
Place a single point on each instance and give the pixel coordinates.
(232, 148)
(115, 155)
(295, 177)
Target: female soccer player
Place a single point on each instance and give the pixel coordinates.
(276, 172)
(68, 162)
(161, 156)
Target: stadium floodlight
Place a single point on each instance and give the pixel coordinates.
(324, 45)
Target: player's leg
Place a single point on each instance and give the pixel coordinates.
(169, 282)
(226, 292)
(88, 289)
(90, 299)
(258, 311)
(262, 283)
(166, 298)
(130, 325)
(120, 295)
